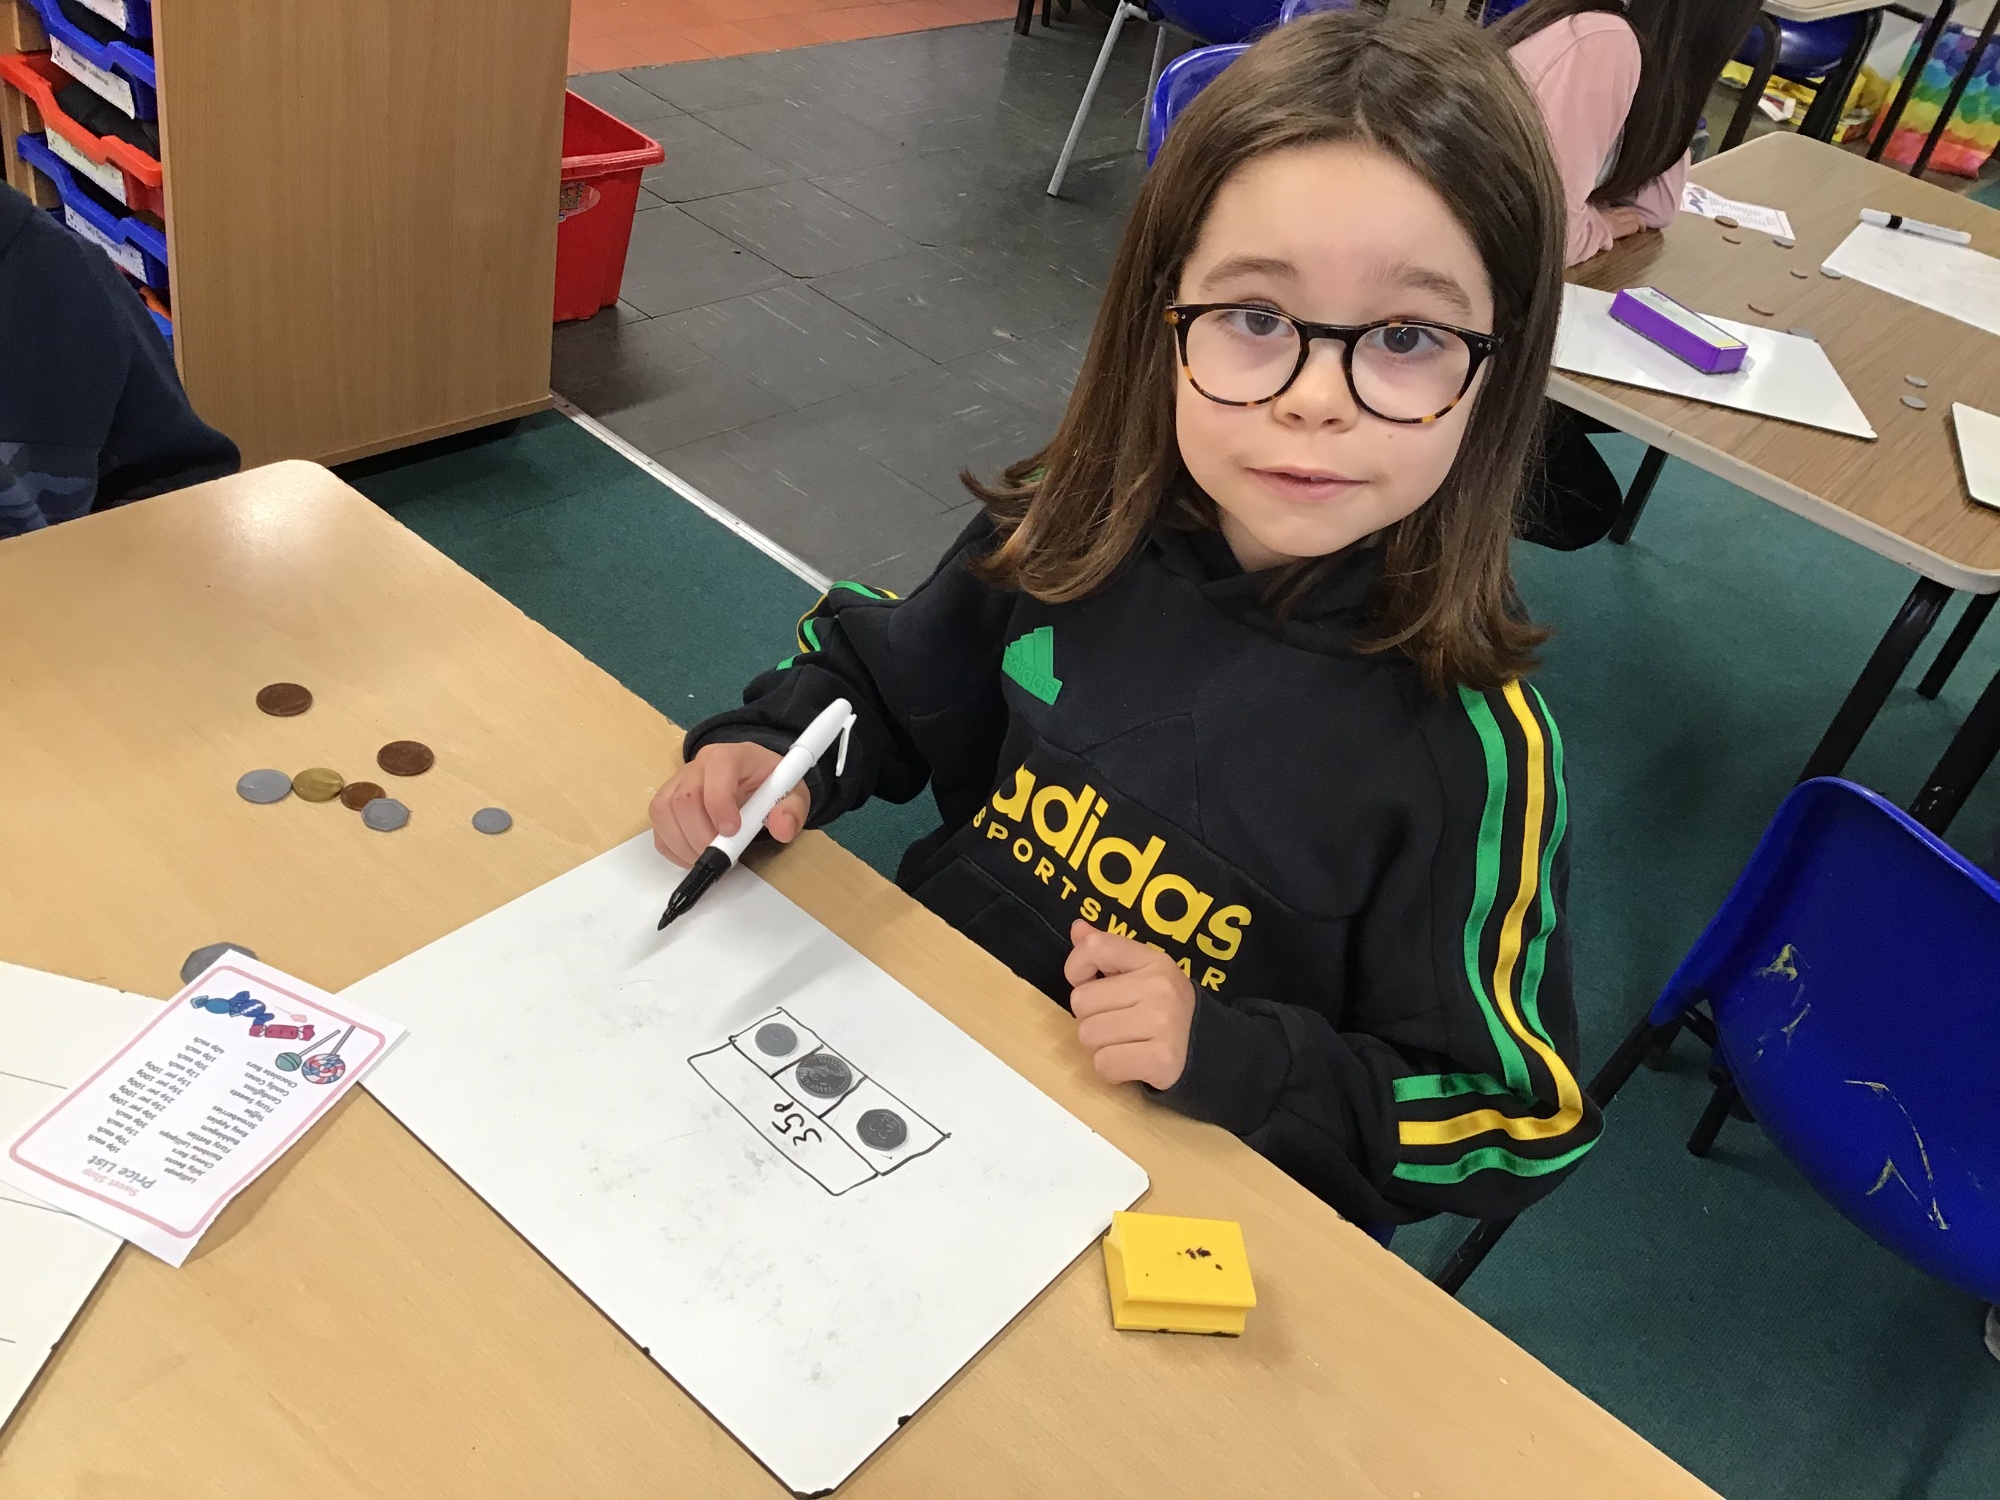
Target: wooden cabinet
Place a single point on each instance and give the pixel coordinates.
(361, 214)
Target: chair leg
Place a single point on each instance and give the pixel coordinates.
(1739, 123)
(1045, 12)
(1125, 12)
(1024, 17)
(1709, 1126)
(1152, 82)
(1977, 608)
(1638, 495)
(1822, 121)
(1465, 1259)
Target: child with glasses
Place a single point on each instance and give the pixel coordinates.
(1221, 699)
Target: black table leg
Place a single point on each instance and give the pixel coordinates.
(1767, 59)
(1636, 497)
(1871, 690)
(1977, 608)
(1024, 17)
(1964, 761)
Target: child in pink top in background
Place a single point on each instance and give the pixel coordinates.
(1621, 88)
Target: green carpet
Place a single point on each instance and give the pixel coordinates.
(1716, 1306)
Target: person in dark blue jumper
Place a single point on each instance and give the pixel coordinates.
(92, 413)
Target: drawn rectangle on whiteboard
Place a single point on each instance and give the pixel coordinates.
(766, 1107)
(580, 1071)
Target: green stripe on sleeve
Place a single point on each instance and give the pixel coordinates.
(1446, 1086)
(1495, 1158)
(1531, 969)
(1486, 884)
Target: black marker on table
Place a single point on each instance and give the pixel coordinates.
(833, 723)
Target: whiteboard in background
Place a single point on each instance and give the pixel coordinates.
(811, 1232)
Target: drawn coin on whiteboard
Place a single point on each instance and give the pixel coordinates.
(815, 1107)
(326, 1067)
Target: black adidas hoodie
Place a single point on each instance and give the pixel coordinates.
(1362, 878)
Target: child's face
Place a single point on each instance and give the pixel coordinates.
(1335, 233)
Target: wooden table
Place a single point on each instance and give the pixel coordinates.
(358, 1323)
(1901, 496)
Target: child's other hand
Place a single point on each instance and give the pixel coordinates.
(1623, 221)
(702, 799)
(1134, 1008)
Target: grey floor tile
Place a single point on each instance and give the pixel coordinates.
(798, 343)
(620, 360)
(1064, 279)
(806, 490)
(680, 406)
(622, 97)
(925, 542)
(930, 426)
(647, 199)
(710, 83)
(676, 262)
(702, 162)
(800, 228)
(807, 137)
(1036, 373)
(937, 307)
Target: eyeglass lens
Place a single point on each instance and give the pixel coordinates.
(1404, 371)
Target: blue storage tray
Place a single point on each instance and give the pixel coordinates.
(164, 324)
(134, 17)
(117, 70)
(136, 247)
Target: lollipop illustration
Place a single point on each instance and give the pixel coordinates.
(327, 1066)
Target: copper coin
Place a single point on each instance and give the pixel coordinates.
(405, 758)
(318, 784)
(358, 794)
(1759, 309)
(1731, 239)
(1725, 221)
(282, 700)
(1802, 275)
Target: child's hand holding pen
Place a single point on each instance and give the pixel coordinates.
(1134, 1008)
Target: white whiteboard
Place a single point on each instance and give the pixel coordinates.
(601, 1086)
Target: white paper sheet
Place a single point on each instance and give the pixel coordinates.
(155, 1140)
(1782, 376)
(53, 1030)
(1956, 280)
(808, 1271)
(1696, 199)
(1978, 450)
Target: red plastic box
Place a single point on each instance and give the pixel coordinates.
(602, 160)
(39, 78)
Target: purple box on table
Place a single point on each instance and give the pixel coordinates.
(1653, 315)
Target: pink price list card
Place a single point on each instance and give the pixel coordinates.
(183, 1116)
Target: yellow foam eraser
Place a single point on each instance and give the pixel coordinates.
(1172, 1275)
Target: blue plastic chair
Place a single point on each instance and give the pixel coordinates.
(1182, 79)
(1208, 21)
(1853, 976)
(1853, 981)
(1827, 54)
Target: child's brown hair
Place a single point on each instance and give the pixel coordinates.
(1440, 97)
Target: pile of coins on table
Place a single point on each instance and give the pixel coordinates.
(379, 811)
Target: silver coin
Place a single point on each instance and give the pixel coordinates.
(881, 1128)
(1916, 380)
(825, 1076)
(493, 820)
(385, 815)
(1782, 243)
(1802, 275)
(264, 786)
(1916, 403)
(1804, 333)
(776, 1039)
(198, 961)
(1831, 275)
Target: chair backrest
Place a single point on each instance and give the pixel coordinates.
(1854, 976)
(1493, 10)
(1291, 10)
(1214, 21)
(1806, 49)
(1181, 79)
